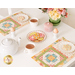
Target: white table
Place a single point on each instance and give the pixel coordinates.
(21, 59)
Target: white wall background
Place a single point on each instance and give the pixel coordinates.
(70, 20)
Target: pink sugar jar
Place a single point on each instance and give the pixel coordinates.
(48, 26)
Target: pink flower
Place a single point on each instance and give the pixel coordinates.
(59, 11)
(44, 9)
(63, 12)
(66, 15)
(49, 9)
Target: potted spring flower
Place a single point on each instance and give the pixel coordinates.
(55, 14)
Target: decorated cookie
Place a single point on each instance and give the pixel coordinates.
(66, 47)
(36, 36)
(21, 18)
(41, 35)
(31, 38)
(41, 39)
(33, 33)
(36, 41)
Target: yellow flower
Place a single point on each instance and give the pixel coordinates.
(54, 14)
(61, 8)
(54, 18)
(51, 12)
(58, 16)
(55, 9)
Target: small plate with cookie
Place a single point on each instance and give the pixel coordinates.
(66, 46)
(22, 17)
(36, 36)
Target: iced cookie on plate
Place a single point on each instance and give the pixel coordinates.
(66, 47)
(36, 36)
(21, 18)
(31, 38)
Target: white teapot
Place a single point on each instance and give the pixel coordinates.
(9, 46)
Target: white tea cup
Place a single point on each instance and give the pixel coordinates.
(34, 22)
(29, 48)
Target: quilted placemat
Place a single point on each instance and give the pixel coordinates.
(21, 18)
(11, 21)
(53, 56)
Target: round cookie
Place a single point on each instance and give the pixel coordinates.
(36, 41)
(41, 39)
(21, 18)
(31, 38)
(36, 36)
(33, 33)
(66, 47)
(41, 35)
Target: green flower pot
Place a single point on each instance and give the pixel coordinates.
(55, 22)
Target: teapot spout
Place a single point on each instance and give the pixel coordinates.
(19, 41)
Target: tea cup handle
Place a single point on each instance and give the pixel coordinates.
(38, 20)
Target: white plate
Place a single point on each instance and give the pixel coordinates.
(26, 17)
(64, 43)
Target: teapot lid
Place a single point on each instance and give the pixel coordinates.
(7, 42)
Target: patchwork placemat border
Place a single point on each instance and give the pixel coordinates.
(60, 64)
(4, 33)
(22, 13)
(7, 32)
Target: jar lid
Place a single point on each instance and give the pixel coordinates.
(48, 24)
(7, 42)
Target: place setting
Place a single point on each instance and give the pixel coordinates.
(52, 56)
(16, 21)
(56, 54)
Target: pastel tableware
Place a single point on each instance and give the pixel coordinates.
(36, 36)
(30, 47)
(12, 32)
(9, 46)
(55, 33)
(48, 26)
(34, 22)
